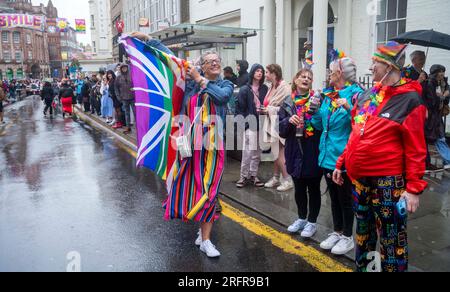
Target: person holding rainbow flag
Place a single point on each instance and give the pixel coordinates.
(166, 87)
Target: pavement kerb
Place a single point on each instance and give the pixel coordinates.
(130, 144)
(97, 123)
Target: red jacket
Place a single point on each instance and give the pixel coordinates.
(393, 142)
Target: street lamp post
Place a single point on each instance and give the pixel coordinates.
(21, 59)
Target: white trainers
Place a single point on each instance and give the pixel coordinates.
(297, 226)
(344, 246)
(331, 241)
(199, 240)
(272, 183)
(286, 185)
(309, 231)
(209, 249)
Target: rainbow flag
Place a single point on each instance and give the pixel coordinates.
(159, 81)
(80, 25)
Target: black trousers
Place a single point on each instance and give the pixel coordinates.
(303, 188)
(341, 204)
(87, 106)
(95, 105)
(48, 106)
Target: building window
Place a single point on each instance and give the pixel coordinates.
(19, 56)
(16, 37)
(7, 56)
(28, 39)
(30, 55)
(392, 19)
(5, 36)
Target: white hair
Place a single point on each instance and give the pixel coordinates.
(205, 54)
(347, 66)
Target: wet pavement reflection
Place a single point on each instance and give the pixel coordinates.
(64, 187)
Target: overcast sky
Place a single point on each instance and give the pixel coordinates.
(72, 10)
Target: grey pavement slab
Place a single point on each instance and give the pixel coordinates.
(429, 228)
(429, 235)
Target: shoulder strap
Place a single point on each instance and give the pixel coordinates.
(197, 116)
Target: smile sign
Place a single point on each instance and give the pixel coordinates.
(21, 20)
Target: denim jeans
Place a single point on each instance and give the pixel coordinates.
(444, 150)
(128, 106)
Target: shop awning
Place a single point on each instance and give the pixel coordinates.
(195, 36)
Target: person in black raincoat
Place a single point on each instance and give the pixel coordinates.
(436, 96)
(242, 67)
(47, 96)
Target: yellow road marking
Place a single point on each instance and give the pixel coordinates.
(127, 149)
(312, 256)
(286, 243)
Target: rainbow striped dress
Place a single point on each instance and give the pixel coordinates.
(197, 179)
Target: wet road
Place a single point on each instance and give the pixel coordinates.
(65, 187)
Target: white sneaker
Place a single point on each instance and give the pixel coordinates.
(209, 249)
(344, 246)
(331, 241)
(199, 240)
(297, 226)
(286, 185)
(272, 183)
(309, 231)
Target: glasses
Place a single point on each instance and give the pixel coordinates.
(212, 62)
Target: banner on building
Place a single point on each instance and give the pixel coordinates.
(144, 22)
(83, 56)
(22, 20)
(62, 24)
(80, 25)
(64, 56)
(57, 25)
(51, 25)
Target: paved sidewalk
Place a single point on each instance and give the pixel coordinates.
(429, 228)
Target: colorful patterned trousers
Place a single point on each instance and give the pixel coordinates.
(375, 205)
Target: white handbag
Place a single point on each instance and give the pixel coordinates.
(184, 145)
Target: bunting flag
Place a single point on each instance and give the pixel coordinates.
(158, 84)
(80, 25)
(62, 24)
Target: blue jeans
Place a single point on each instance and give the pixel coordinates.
(444, 150)
(128, 106)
